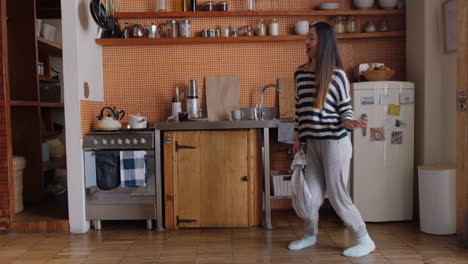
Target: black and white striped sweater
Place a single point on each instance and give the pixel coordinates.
(326, 123)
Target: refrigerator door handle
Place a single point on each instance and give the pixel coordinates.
(364, 129)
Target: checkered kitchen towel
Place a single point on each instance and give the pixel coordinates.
(132, 168)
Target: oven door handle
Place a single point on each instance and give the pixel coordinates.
(183, 147)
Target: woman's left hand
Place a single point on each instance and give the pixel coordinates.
(352, 124)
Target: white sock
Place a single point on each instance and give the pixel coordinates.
(306, 241)
(364, 246)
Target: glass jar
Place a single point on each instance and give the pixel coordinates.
(273, 27)
(234, 30)
(185, 29)
(370, 27)
(261, 28)
(226, 31)
(172, 29)
(126, 31)
(351, 26)
(339, 25)
(382, 26)
(162, 5)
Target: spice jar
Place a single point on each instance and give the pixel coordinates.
(273, 27)
(222, 6)
(351, 25)
(171, 29)
(339, 25)
(370, 27)
(185, 29)
(261, 28)
(226, 31)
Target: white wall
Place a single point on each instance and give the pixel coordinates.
(82, 63)
(434, 73)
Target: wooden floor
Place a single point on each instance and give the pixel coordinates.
(129, 242)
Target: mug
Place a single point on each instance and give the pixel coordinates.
(183, 116)
(237, 115)
(302, 27)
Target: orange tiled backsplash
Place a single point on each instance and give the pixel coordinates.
(142, 79)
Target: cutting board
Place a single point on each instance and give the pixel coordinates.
(222, 97)
(287, 98)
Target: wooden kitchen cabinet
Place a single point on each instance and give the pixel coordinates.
(212, 179)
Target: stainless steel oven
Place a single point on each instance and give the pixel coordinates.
(122, 202)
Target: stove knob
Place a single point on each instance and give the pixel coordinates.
(119, 141)
(135, 141)
(95, 142)
(104, 141)
(112, 142)
(142, 141)
(127, 141)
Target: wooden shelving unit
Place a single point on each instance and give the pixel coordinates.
(277, 13)
(23, 103)
(51, 105)
(48, 79)
(54, 164)
(49, 47)
(234, 40)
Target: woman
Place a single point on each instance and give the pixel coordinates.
(324, 118)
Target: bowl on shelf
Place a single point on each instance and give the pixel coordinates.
(363, 4)
(329, 6)
(388, 4)
(379, 75)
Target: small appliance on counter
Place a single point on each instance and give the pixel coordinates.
(192, 100)
(111, 121)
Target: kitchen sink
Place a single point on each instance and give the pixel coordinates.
(270, 113)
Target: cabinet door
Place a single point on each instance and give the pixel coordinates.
(236, 153)
(213, 178)
(188, 178)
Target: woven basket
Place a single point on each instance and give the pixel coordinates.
(19, 163)
(379, 75)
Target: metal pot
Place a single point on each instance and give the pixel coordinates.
(139, 31)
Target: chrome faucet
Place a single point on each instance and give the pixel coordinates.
(261, 111)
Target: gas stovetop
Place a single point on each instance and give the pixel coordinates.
(119, 139)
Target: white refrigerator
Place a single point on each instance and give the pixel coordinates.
(382, 167)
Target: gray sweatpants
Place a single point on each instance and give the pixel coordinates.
(327, 169)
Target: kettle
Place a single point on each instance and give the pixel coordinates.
(111, 121)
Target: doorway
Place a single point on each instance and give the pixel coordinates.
(35, 123)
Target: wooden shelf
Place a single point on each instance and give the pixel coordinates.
(49, 134)
(54, 164)
(51, 105)
(23, 103)
(277, 13)
(49, 47)
(234, 40)
(48, 79)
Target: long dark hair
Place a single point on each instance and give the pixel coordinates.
(328, 59)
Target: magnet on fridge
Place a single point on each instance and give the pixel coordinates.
(377, 134)
(394, 109)
(389, 124)
(407, 97)
(401, 123)
(397, 137)
(367, 100)
(385, 99)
